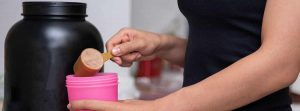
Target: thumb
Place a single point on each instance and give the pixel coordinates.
(126, 48)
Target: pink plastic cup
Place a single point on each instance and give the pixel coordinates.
(92, 83)
(104, 77)
(84, 81)
(103, 86)
(97, 77)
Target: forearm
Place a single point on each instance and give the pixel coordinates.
(172, 49)
(245, 81)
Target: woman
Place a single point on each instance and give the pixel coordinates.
(240, 55)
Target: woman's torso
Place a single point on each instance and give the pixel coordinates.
(220, 33)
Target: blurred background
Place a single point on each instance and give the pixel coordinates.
(145, 79)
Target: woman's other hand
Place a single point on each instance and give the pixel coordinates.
(127, 105)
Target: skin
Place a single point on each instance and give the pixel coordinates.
(275, 65)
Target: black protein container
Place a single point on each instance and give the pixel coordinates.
(40, 51)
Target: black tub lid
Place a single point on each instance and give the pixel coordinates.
(54, 8)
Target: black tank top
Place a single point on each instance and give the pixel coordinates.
(220, 33)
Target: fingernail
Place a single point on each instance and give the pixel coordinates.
(116, 51)
(69, 106)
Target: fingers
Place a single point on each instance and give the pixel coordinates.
(127, 60)
(125, 105)
(146, 58)
(124, 47)
(94, 105)
(117, 60)
(124, 35)
(127, 47)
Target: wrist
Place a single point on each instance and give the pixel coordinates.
(163, 45)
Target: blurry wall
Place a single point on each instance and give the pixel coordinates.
(160, 16)
(296, 86)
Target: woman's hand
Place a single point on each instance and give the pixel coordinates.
(127, 105)
(129, 45)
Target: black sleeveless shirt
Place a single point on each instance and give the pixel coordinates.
(220, 33)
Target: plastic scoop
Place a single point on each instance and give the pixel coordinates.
(90, 62)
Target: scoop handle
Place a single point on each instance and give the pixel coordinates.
(106, 56)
